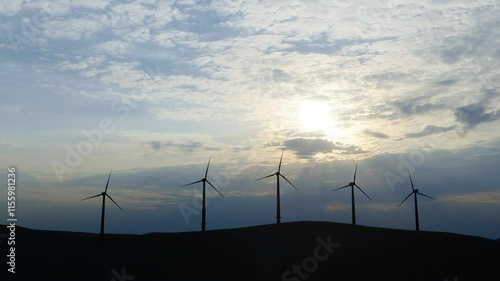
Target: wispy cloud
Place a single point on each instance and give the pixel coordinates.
(489, 197)
(429, 130)
(309, 147)
(374, 134)
(187, 146)
(332, 207)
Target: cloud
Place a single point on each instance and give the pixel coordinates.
(414, 106)
(336, 207)
(430, 130)
(89, 4)
(487, 197)
(475, 114)
(72, 28)
(10, 7)
(113, 47)
(310, 147)
(388, 79)
(374, 134)
(187, 146)
(156, 145)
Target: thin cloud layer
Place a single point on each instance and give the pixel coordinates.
(310, 147)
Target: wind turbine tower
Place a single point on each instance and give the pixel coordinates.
(415, 192)
(352, 185)
(103, 194)
(278, 174)
(203, 209)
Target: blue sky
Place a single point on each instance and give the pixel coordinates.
(152, 89)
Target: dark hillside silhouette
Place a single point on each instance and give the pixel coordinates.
(289, 251)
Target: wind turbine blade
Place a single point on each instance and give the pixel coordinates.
(341, 187)
(191, 183)
(281, 159)
(266, 177)
(355, 171)
(363, 192)
(405, 199)
(288, 181)
(412, 187)
(114, 202)
(106, 189)
(214, 188)
(90, 197)
(206, 172)
(426, 195)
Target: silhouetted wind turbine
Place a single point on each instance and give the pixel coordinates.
(415, 192)
(103, 194)
(352, 185)
(204, 180)
(278, 174)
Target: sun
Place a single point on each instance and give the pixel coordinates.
(314, 115)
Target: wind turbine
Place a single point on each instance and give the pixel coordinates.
(278, 174)
(204, 180)
(352, 185)
(415, 192)
(103, 194)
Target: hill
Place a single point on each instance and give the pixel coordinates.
(290, 251)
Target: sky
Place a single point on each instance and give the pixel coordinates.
(154, 89)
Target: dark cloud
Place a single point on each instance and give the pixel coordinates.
(448, 82)
(280, 76)
(189, 146)
(388, 79)
(309, 147)
(475, 114)
(413, 106)
(429, 130)
(156, 145)
(374, 134)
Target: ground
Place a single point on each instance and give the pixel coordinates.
(289, 251)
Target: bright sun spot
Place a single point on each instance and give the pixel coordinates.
(314, 115)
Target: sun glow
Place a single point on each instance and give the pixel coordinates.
(314, 115)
